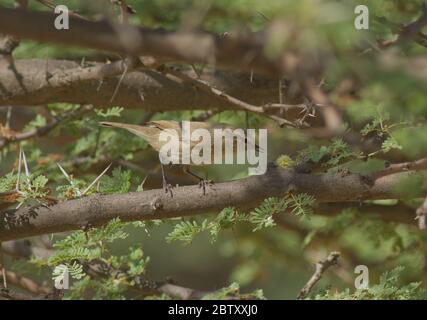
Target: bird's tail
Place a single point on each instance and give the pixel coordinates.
(133, 128)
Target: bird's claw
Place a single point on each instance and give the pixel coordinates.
(203, 183)
(168, 188)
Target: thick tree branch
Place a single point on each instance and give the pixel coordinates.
(237, 52)
(246, 193)
(36, 82)
(28, 85)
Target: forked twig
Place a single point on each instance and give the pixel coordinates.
(202, 85)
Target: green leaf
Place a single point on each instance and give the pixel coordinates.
(262, 216)
(389, 144)
(38, 122)
(118, 183)
(185, 231)
(39, 182)
(110, 112)
(300, 204)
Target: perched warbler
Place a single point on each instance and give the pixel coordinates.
(153, 130)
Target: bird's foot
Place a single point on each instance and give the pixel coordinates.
(203, 183)
(168, 188)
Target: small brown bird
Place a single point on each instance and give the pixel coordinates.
(152, 130)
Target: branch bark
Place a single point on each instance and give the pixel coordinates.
(246, 193)
(237, 52)
(8, 43)
(420, 164)
(143, 88)
(218, 94)
(38, 82)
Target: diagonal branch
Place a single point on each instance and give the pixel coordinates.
(52, 6)
(420, 164)
(321, 267)
(261, 110)
(41, 131)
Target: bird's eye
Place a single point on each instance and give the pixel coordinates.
(153, 125)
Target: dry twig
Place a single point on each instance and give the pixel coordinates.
(204, 86)
(417, 165)
(321, 267)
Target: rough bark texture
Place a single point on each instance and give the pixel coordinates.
(237, 52)
(29, 82)
(189, 200)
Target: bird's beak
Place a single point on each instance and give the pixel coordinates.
(105, 124)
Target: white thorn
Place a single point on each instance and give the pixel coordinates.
(68, 178)
(24, 158)
(143, 182)
(19, 169)
(97, 179)
(64, 172)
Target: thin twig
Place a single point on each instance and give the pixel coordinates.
(321, 267)
(39, 132)
(52, 6)
(202, 85)
(417, 165)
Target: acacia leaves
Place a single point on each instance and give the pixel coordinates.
(261, 217)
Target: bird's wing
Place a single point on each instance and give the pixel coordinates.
(237, 135)
(164, 124)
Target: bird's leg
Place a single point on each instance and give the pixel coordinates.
(202, 182)
(166, 186)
